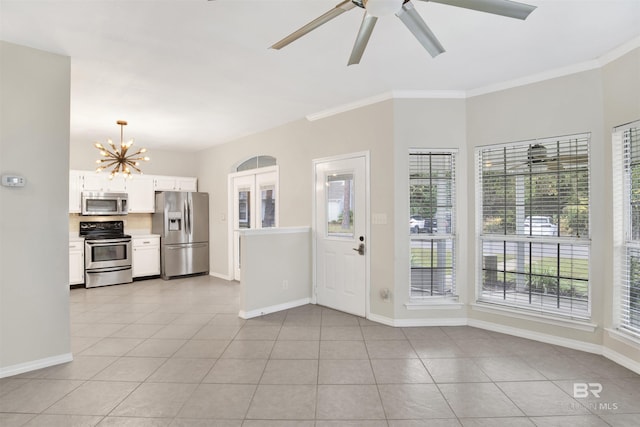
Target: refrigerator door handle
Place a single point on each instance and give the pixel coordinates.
(185, 215)
(189, 215)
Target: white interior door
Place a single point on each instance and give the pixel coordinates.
(243, 214)
(255, 205)
(341, 224)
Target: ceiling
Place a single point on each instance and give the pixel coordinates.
(189, 74)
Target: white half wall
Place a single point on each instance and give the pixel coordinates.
(276, 270)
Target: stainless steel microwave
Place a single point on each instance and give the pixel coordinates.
(97, 203)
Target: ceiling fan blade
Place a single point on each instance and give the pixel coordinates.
(411, 18)
(507, 8)
(323, 19)
(366, 28)
(576, 160)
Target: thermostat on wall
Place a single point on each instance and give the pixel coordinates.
(13, 181)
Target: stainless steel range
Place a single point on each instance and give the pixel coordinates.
(107, 259)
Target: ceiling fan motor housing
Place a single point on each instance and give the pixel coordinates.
(537, 153)
(379, 8)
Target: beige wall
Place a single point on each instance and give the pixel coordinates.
(34, 255)
(430, 124)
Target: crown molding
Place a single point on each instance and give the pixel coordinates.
(483, 90)
(620, 51)
(535, 78)
(350, 106)
(429, 94)
(398, 94)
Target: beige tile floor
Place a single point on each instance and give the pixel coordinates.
(156, 353)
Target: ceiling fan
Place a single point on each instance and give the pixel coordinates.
(404, 10)
(538, 159)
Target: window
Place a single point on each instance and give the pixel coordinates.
(534, 225)
(626, 141)
(431, 223)
(256, 163)
(340, 202)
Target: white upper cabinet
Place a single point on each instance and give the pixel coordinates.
(175, 183)
(140, 189)
(75, 188)
(94, 181)
(187, 184)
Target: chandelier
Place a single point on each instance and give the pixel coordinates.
(118, 159)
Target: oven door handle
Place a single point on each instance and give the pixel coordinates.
(109, 242)
(107, 269)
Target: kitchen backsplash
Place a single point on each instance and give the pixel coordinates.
(138, 222)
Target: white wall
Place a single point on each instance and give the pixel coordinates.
(276, 272)
(34, 254)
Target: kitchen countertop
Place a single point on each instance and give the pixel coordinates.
(74, 237)
(140, 233)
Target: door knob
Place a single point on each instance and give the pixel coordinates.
(360, 249)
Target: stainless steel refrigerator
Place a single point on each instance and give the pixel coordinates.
(182, 221)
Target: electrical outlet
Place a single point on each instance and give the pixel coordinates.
(285, 285)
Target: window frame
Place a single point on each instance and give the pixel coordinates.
(539, 300)
(449, 293)
(624, 242)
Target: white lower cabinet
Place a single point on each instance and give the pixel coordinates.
(146, 255)
(76, 262)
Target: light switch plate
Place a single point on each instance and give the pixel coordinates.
(13, 181)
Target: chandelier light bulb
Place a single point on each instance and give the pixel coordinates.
(118, 159)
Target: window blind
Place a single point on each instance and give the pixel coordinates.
(534, 224)
(629, 280)
(432, 223)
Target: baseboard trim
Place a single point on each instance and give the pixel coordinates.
(381, 319)
(621, 359)
(537, 336)
(273, 308)
(221, 276)
(33, 365)
(407, 323)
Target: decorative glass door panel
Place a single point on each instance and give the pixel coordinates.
(339, 205)
(244, 208)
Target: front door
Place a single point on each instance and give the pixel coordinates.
(341, 224)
